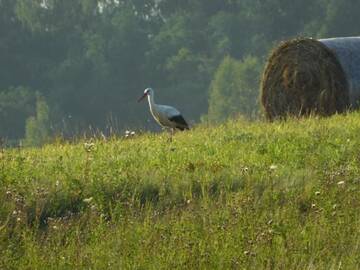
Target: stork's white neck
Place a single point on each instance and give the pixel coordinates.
(151, 101)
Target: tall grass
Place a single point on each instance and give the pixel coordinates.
(282, 195)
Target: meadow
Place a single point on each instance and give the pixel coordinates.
(241, 195)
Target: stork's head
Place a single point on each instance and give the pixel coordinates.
(147, 92)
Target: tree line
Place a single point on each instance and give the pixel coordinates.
(69, 66)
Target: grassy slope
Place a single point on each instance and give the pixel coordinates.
(237, 196)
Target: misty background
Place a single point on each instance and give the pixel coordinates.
(68, 67)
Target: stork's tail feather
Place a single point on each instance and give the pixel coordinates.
(180, 122)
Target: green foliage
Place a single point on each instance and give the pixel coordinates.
(249, 195)
(38, 127)
(234, 90)
(338, 14)
(92, 58)
(15, 106)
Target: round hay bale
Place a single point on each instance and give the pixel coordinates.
(347, 51)
(304, 76)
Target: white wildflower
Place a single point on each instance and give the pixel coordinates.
(88, 200)
(273, 167)
(89, 146)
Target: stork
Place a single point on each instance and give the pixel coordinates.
(165, 116)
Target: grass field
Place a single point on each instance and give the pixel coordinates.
(283, 195)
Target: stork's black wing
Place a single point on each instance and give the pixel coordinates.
(179, 121)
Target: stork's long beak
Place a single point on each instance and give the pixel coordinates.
(142, 97)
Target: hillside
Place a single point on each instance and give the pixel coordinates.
(282, 195)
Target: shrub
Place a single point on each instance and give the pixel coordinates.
(234, 89)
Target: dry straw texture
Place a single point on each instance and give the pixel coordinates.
(303, 76)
